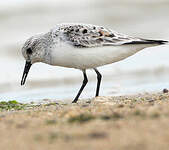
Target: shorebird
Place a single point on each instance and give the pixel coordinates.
(81, 46)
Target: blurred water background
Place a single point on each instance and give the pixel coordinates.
(147, 71)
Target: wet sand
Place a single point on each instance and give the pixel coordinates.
(124, 122)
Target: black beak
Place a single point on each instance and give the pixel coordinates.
(26, 71)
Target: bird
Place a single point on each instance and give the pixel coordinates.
(81, 46)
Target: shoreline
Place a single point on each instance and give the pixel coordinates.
(121, 122)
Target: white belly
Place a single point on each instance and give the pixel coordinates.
(86, 58)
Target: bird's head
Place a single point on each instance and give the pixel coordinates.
(34, 50)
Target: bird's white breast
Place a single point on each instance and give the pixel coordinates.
(85, 58)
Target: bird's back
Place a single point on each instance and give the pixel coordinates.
(87, 35)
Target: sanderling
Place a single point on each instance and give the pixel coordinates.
(81, 46)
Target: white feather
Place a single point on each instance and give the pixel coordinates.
(85, 58)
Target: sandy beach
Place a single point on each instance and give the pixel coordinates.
(125, 122)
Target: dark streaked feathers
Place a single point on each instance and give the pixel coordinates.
(86, 35)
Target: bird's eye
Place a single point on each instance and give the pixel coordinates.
(29, 51)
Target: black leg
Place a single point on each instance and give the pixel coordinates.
(82, 87)
(99, 77)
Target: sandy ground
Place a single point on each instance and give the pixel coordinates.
(120, 123)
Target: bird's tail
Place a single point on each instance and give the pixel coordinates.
(145, 41)
(156, 42)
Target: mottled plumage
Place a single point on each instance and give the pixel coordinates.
(87, 35)
(81, 46)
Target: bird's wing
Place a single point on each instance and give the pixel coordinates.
(85, 35)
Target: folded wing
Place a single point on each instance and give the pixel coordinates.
(84, 35)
